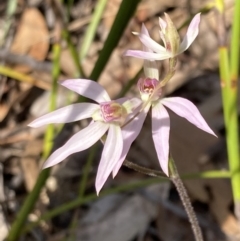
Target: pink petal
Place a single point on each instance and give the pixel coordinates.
(78, 142)
(150, 67)
(151, 44)
(144, 30)
(87, 88)
(187, 110)
(66, 114)
(147, 55)
(191, 34)
(130, 133)
(162, 24)
(111, 154)
(162, 36)
(160, 133)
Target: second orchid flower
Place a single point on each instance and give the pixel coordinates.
(169, 35)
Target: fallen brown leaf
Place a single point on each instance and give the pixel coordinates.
(32, 37)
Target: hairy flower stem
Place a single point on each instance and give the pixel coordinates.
(175, 178)
(144, 170)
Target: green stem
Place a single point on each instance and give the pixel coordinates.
(174, 176)
(233, 131)
(100, 6)
(228, 77)
(73, 52)
(234, 54)
(144, 170)
(11, 9)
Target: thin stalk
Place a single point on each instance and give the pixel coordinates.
(11, 9)
(9, 72)
(234, 54)
(74, 53)
(48, 142)
(144, 170)
(233, 108)
(92, 28)
(207, 174)
(161, 174)
(175, 178)
(69, 7)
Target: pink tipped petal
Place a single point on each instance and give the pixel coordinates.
(66, 114)
(150, 67)
(191, 34)
(144, 30)
(87, 88)
(162, 24)
(111, 154)
(163, 38)
(187, 110)
(160, 133)
(147, 55)
(130, 133)
(78, 142)
(151, 44)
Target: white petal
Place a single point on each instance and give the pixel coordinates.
(147, 55)
(151, 44)
(160, 133)
(187, 110)
(162, 36)
(150, 67)
(162, 24)
(144, 30)
(78, 142)
(130, 133)
(191, 34)
(111, 154)
(66, 114)
(87, 88)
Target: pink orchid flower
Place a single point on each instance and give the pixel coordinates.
(170, 38)
(151, 97)
(107, 116)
